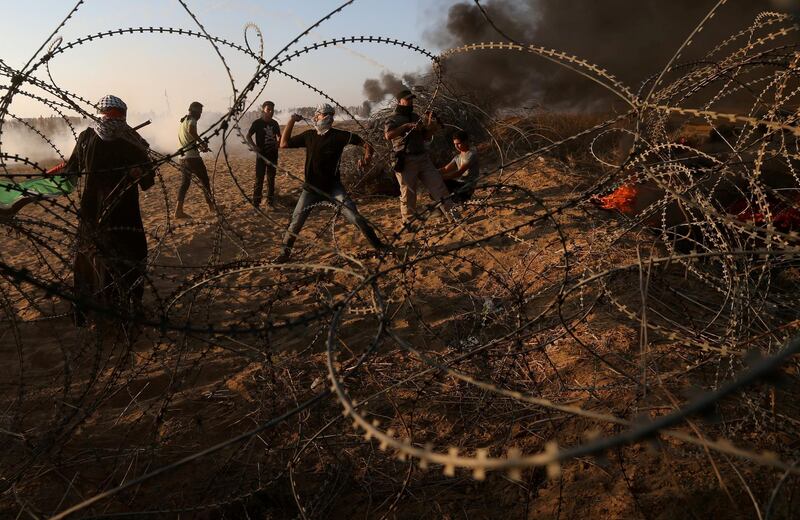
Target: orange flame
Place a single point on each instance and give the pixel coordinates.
(621, 199)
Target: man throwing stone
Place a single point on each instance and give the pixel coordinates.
(324, 145)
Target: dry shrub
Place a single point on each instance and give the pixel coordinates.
(519, 135)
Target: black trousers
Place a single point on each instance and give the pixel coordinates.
(461, 191)
(263, 167)
(194, 166)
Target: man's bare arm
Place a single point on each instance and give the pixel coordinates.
(287, 132)
(399, 131)
(363, 163)
(447, 169)
(203, 147)
(251, 142)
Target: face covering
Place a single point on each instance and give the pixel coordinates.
(111, 125)
(404, 110)
(324, 124)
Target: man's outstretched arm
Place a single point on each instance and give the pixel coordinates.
(287, 132)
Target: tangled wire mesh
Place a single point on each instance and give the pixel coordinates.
(613, 282)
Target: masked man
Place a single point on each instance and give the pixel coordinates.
(111, 258)
(324, 145)
(408, 133)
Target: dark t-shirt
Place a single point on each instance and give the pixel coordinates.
(414, 142)
(267, 134)
(323, 154)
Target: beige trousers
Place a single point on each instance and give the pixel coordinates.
(420, 168)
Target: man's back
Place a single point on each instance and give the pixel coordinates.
(109, 192)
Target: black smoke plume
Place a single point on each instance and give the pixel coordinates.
(388, 85)
(632, 39)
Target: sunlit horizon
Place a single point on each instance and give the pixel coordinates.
(162, 73)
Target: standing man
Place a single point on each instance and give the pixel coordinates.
(268, 135)
(324, 146)
(466, 162)
(192, 163)
(111, 255)
(408, 133)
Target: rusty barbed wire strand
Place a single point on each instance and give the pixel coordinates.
(460, 324)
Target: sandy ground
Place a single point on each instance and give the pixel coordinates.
(89, 409)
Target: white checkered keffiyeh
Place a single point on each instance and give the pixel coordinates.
(324, 124)
(110, 127)
(110, 101)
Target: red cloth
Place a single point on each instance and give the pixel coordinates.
(785, 215)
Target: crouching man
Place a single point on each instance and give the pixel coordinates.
(466, 162)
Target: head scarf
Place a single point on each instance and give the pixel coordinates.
(324, 124)
(110, 101)
(112, 123)
(404, 110)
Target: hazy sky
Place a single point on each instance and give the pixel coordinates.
(151, 72)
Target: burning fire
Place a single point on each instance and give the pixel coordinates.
(621, 199)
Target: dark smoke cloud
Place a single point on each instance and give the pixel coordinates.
(388, 85)
(366, 109)
(632, 39)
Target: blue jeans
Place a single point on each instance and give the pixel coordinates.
(347, 207)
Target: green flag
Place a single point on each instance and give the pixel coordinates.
(14, 196)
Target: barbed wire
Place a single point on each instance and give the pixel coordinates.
(601, 267)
